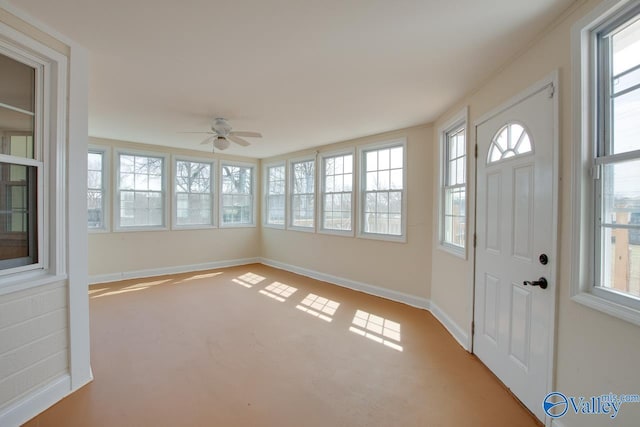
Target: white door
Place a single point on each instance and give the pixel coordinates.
(514, 312)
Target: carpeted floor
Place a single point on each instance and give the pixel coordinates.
(257, 346)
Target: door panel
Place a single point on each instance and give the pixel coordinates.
(514, 320)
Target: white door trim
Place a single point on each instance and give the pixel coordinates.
(551, 80)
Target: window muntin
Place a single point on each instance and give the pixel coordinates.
(275, 199)
(510, 141)
(96, 189)
(193, 189)
(383, 191)
(617, 159)
(237, 195)
(337, 193)
(141, 191)
(303, 194)
(453, 215)
(21, 169)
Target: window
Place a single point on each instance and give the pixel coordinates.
(141, 191)
(453, 188)
(21, 167)
(97, 180)
(193, 193)
(275, 198)
(617, 155)
(303, 194)
(237, 195)
(337, 193)
(510, 141)
(383, 193)
(608, 45)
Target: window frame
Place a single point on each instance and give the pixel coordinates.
(585, 168)
(362, 170)
(116, 193)
(459, 120)
(106, 188)
(265, 189)
(254, 198)
(291, 194)
(321, 190)
(175, 158)
(50, 141)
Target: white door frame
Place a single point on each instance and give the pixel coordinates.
(552, 81)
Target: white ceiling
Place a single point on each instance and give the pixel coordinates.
(303, 73)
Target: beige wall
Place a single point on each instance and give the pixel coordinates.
(596, 353)
(399, 267)
(117, 253)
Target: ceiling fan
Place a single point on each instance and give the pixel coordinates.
(221, 134)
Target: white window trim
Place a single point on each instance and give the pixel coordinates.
(362, 150)
(321, 193)
(459, 119)
(265, 193)
(174, 199)
(289, 208)
(254, 193)
(106, 187)
(50, 147)
(116, 192)
(582, 245)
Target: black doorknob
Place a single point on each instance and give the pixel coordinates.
(542, 282)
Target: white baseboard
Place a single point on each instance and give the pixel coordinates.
(33, 404)
(139, 274)
(411, 300)
(454, 329)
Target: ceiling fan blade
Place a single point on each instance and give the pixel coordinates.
(208, 140)
(209, 133)
(246, 134)
(239, 141)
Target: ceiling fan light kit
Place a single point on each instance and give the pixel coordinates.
(222, 135)
(221, 143)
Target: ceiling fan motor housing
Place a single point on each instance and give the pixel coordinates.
(221, 127)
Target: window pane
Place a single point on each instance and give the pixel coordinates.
(17, 85)
(95, 196)
(383, 206)
(626, 123)
(621, 258)
(18, 221)
(621, 192)
(626, 48)
(275, 195)
(336, 201)
(237, 194)
(141, 191)
(620, 238)
(17, 131)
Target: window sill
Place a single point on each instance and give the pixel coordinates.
(340, 233)
(24, 281)
(274, 226)
(611, 308)
(301, 229)
(384, 237)
(193, 227)
(97, 230)
(137, 229)
(453, 250)
(238, 226)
